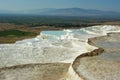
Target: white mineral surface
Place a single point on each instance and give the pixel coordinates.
(61, 47)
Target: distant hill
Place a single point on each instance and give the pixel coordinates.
(68, 12)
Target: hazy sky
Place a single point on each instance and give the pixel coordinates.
(110, 5)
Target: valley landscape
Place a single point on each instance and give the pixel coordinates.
(65, 41)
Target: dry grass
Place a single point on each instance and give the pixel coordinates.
(37, 30)
(113, 23)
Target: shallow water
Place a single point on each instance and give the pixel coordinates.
(52, 46)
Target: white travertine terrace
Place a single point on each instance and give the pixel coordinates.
(102, 63)
(53, 47)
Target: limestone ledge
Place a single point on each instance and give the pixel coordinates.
(102, 63)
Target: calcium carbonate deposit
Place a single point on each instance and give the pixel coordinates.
(52, 47)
